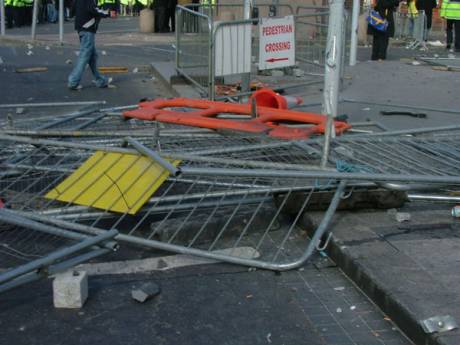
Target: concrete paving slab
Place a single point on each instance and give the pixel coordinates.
(408, 269)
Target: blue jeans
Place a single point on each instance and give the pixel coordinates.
(87, 56)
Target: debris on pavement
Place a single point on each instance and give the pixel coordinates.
(70, 289)
(31, 69)
(402, 217)
(145, 292)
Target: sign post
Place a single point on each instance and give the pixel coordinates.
(277, 42)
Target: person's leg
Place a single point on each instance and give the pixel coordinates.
(449, 33)
(101, 81)
(457, 34)
(9, 16)
(384, 47)
(429, 20)
(375, 46)
(83, 59)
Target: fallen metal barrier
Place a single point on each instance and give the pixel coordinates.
(45, 249)
(232, 191)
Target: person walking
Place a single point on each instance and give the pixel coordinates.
(381, 38)
(450, 10)
(87, 17)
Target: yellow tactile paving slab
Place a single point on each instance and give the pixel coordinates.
(110, 181)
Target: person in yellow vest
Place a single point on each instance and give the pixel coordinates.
(124, 6)
(450, 10)
(412, 14)
(110, 5)
(9, 13)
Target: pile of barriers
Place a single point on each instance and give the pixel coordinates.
(76, 186)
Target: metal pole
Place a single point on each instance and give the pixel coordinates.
(2, 17)
(61, 21)
(332, 71)
(13, 218)
(34, 19)
(354, 32)
(43, 262)
(51, 104)
(154, 156)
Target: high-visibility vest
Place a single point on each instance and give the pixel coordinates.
(208, 2)
(145, 2)
(125, 2)
(412, 9)
(28, 2)
(450, 9)
(18, 3)
(9, 3)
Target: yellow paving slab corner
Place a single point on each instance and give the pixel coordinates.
(112, 181)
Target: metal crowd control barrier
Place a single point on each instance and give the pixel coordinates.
(412, 29)
(30, 250)
(208, 59)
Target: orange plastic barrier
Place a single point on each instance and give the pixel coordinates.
(269, 121)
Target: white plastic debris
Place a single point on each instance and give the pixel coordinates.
(29, 46)
(416, 63)
(402, 217)
(436, 43)
(68, 62)
(47, 48)
(353, 307)
(136, 70)
(338, 310)
(366, 109)
(103, 52)
(29, 53)
(339, 288)
(269, 338)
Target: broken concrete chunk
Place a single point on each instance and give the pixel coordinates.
(68, 62)
(145, 291)
(70, 289)
(19, 111)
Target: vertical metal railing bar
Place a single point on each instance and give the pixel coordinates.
(28, 170)
(249, 222)
(434, 150)
(150, 210)
(371, 158)
(171, 211)
(211, 215)
(409, 162)
(435, 156)
(189, 215)
(230, 218)
(293, 225)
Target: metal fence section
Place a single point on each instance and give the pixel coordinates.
(411, 28)
(222, 70)
(31, 250)
(238, 199)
